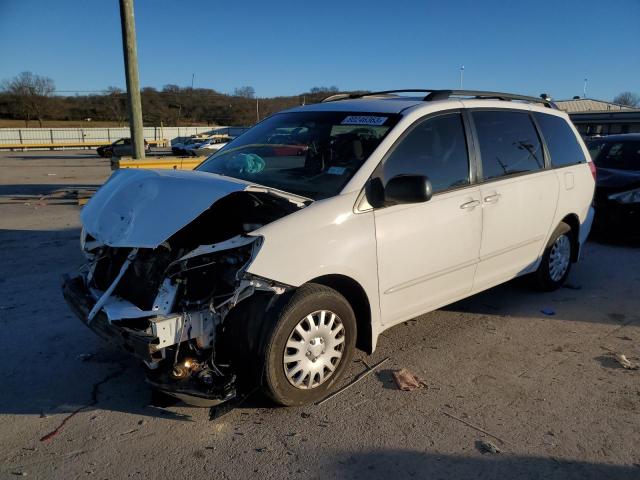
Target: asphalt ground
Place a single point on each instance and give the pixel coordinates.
(545, 389)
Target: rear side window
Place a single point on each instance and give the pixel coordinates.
(509, 143)
(617, 155)
(562, 144)
(437, 148)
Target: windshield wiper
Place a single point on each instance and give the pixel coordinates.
(292, 197)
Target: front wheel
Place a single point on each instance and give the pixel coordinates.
(310, 346)
(556, 260)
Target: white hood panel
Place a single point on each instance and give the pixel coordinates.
(143, 208)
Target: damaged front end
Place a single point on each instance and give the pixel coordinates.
(167, 301)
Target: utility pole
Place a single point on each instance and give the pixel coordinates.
(461, 75)
(257, 111)
(130, 51)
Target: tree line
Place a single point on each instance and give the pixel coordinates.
(33, 98)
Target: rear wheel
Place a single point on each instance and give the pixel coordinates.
(310, 346)
(556, 259)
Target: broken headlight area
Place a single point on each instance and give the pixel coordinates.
(167, 279)
(163, 275)
(171, 313)
(167, 307)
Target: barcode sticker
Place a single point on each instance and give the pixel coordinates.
(363, 120)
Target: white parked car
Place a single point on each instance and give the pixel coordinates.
(208, 146)
(183, 147)
(271, 263)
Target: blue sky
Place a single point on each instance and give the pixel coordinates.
(285, 48)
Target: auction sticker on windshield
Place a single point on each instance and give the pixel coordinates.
(363, 120)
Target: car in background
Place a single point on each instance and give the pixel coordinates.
(182, 148)
(617, 197)
(119, 148)
(209, 146)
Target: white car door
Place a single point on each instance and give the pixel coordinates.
(428, 252)
(519, 196)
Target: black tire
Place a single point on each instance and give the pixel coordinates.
(308, 299)
(543, 278)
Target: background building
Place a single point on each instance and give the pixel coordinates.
(597, 117)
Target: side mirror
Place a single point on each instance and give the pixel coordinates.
(401, 189)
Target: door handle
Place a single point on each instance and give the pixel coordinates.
(470, 205)
(492, 198)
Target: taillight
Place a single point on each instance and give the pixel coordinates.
(592, 166)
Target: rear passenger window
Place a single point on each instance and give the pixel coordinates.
(561, 142)
(509, 143)
(437, 148)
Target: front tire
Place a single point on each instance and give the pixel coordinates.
(310, 346)
(556, 259)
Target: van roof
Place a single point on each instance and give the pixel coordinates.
(389, 101)
(394, 104)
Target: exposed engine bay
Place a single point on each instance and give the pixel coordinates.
(169, 305)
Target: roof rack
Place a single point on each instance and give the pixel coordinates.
(433, 95)
(351, 96)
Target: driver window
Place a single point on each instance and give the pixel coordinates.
(437, 148)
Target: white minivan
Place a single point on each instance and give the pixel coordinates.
(272, 261)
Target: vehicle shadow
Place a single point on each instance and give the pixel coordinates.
(600, 262)
(400, 464)
(52, 363)
(615, 238)
(56, 365)
(504, 299)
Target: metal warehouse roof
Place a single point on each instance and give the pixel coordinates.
(589, 105)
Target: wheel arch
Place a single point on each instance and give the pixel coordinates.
(359, 301)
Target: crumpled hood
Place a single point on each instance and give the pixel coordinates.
(143, 208)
